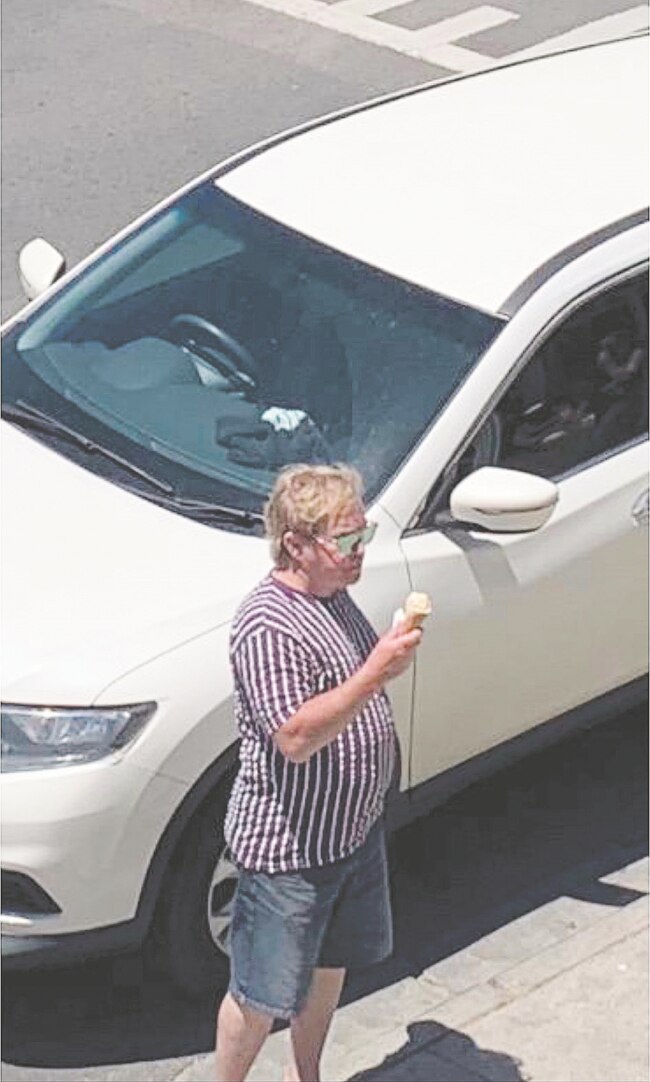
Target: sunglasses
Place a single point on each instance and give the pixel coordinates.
(347, 543)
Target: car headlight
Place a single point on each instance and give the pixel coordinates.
(35, 737)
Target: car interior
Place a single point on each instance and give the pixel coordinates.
(239, 365)
(582, 395)
(586, 391)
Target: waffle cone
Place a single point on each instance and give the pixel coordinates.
(416, 609)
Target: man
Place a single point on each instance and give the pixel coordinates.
(317, 757)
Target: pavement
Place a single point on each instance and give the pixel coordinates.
(559, 994)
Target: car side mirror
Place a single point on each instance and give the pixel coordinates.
(503, 501)
(39, 266)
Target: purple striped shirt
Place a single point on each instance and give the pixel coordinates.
(285, 648)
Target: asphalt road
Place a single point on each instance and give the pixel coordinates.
(553, 826)
(109, 105)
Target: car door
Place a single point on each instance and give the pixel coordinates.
(527, 626)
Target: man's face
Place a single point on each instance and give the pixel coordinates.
(328, 568)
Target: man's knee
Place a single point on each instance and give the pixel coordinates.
(240, 1016)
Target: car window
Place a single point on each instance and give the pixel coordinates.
(215, 346)
(581, 396)
(584, 394)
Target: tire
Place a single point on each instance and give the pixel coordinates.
(194, 916)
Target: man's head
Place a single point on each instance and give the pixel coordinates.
(316, 523)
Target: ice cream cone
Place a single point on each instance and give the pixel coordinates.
(416, 609)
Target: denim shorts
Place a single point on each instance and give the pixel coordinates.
(287, 924)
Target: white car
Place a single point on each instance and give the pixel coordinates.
(446, 288)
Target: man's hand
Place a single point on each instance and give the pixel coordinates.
(321, 719)
(391, 656)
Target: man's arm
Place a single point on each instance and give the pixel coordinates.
(320, 720)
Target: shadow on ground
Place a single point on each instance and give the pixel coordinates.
(424, 1058)
(553, 825)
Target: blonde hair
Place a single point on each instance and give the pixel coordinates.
(304, 498)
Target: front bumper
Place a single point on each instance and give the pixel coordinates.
(23, 952)
(85, 835)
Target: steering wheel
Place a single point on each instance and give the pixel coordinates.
(227, 355)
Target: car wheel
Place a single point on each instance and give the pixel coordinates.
(196, 906)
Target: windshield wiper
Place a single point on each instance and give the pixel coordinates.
(215, 511)
(28, 415)
(23, 413)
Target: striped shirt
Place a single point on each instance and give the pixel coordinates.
(286, 647)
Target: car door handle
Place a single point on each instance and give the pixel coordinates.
(641, 509)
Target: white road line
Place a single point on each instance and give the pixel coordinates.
(336, 17)
(436, 43)
(461, 26)
(453, 57)
(368, 7)
(611, 26)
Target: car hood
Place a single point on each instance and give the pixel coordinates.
(97, 581)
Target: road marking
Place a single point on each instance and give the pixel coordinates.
(461, 26)
(369, 7)
(437, 43)
(434, 43)
(611, 26)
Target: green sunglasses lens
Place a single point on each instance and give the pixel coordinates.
(349, 541)
(346, 544)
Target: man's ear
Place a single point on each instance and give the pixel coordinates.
(293, 544)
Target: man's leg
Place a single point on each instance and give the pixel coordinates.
(309, 1028)
(241, 1032)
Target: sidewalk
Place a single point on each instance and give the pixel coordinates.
(558, 995)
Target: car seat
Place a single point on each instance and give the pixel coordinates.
(312, 373)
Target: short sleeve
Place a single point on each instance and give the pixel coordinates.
(276, 675)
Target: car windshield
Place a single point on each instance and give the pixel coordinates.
(212, 346)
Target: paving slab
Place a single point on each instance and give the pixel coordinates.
(588, 1023)
(569, 1011)
(576, 949)
(635, 876)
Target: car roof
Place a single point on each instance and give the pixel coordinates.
(469, 185)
